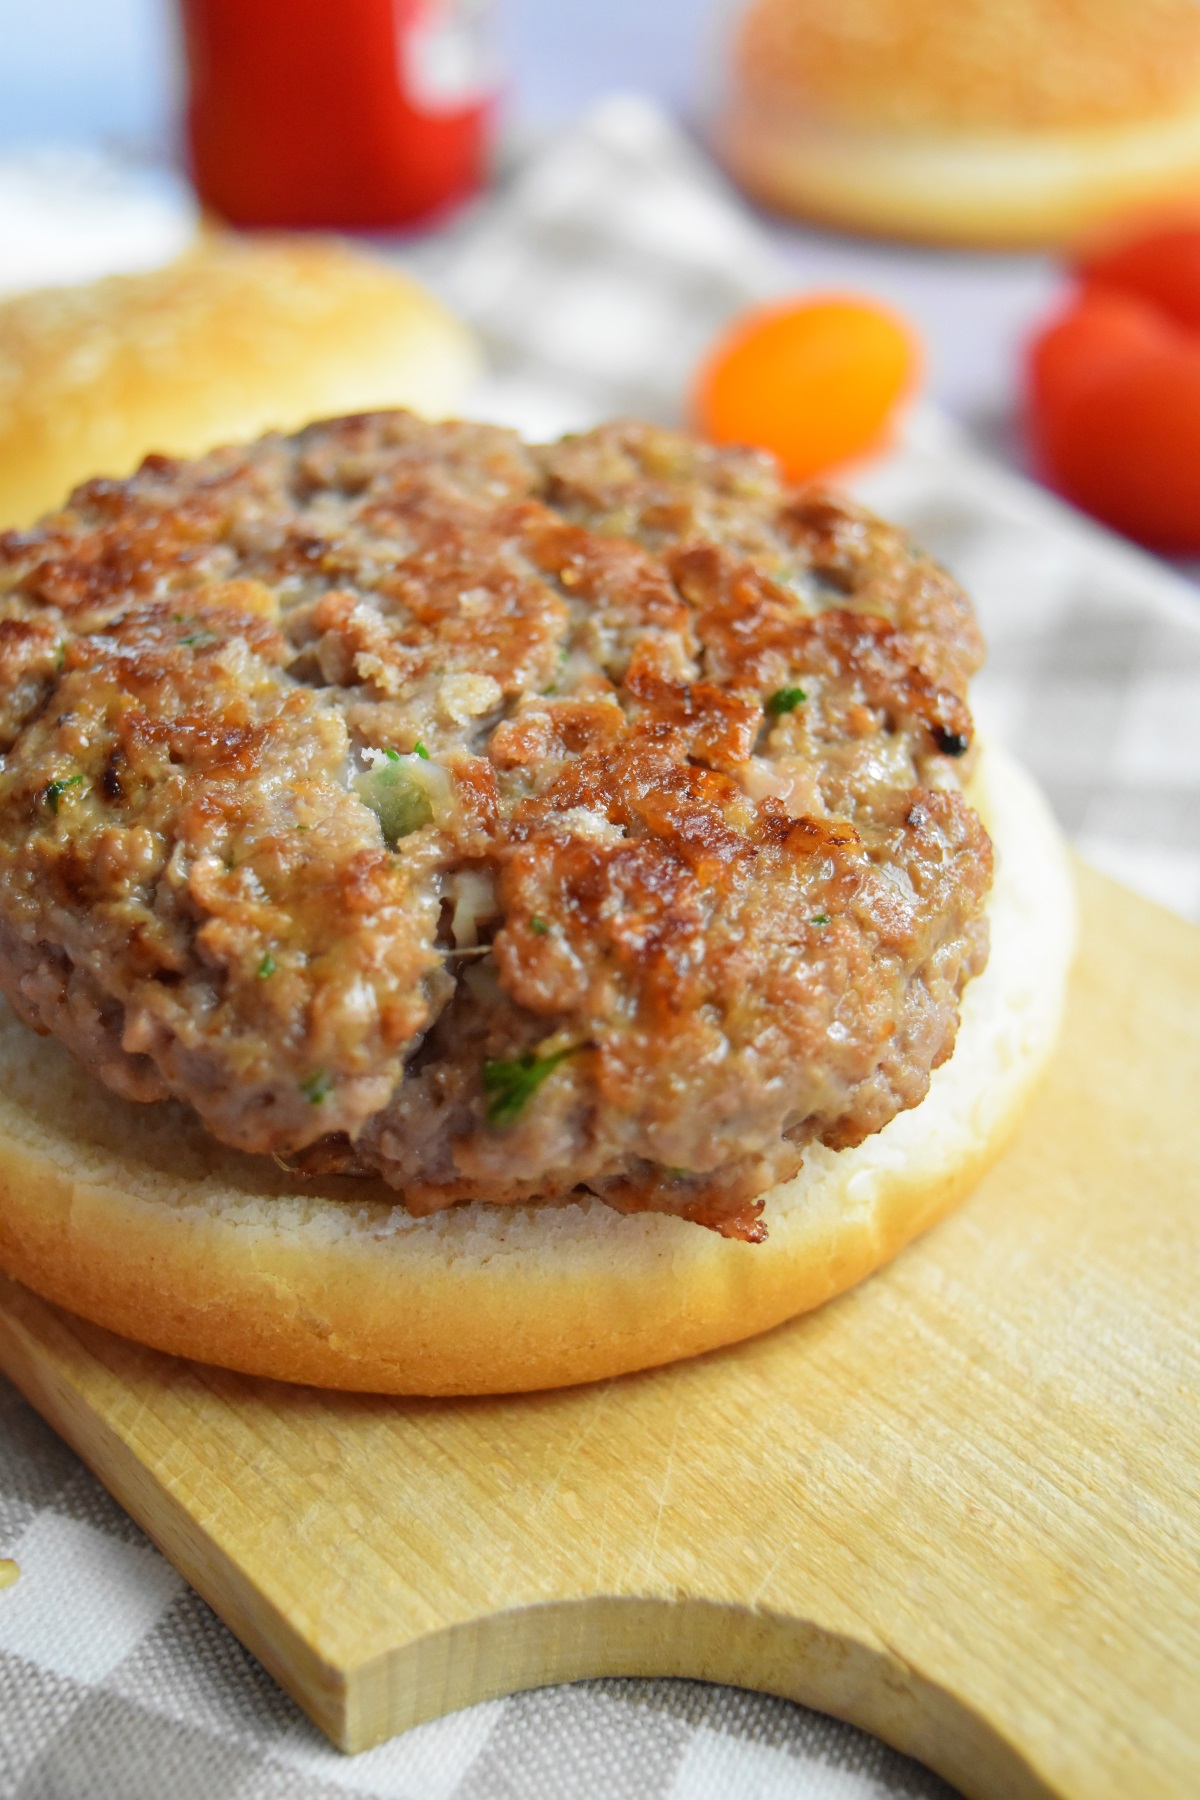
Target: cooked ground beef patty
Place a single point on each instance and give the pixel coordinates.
(501, 819)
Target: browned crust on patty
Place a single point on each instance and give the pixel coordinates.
(645, 921)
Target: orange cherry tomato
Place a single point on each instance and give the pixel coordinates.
(817, 382)
(1114, 413)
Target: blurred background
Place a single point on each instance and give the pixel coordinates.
(74, 70)
(935, 136)
(78, 73)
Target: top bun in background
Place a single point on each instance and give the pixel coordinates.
(241, 335)
(986, 122)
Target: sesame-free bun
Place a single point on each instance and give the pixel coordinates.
(989, 122)
(239, 336)
(135, 1218)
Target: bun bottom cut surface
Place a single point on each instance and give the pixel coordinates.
(991, 190)
(132, 1216)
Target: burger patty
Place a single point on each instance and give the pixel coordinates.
(502, 820)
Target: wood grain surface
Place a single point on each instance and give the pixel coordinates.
(959, 1506)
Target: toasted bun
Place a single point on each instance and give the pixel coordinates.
(240, 336)
(991, 122)
(133, 1217)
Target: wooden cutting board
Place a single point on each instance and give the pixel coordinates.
(959, 1506)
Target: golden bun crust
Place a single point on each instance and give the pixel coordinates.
(133, 1217)
(990, 122)
(239, 336)
(977, 65)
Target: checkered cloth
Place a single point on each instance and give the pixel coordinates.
(1093, 672)
(595, 279)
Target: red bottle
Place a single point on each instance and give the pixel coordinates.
(356, 113)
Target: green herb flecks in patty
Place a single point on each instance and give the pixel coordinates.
(513, 1084)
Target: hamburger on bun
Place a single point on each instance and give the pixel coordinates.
(242, 334)
(522, 899)
(984, 122)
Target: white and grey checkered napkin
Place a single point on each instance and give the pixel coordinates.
(595, 278)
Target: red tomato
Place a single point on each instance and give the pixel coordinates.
(1114, 406)
(1163, 270)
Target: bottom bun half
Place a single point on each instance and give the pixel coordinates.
(133, 1217)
